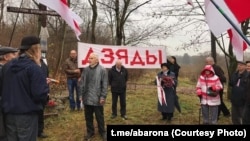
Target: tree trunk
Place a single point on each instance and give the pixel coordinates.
(213, 47)
(61, 52)
(2, 10)
(118, 23)
(231, 69)
(94, 18)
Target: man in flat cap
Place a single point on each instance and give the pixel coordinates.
(6, 54)
(24, 91)
(238, 83)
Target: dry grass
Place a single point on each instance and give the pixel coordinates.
(141, 109)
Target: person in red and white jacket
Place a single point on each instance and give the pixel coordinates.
(207, 88)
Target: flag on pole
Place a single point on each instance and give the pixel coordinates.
(236, 11)
(62, 8)
(239, 45)
(190, 2)
(216, 21)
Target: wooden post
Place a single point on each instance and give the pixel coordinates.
(43, 17)
(42, 12)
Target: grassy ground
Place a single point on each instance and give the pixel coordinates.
(141, 109)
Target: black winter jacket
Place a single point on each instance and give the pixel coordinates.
(24, 86)
(118, 80)
(238, 84)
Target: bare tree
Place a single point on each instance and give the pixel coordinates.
(94, 18)
(122, 11)
(2, 8)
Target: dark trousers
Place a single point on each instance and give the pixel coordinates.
(2, 127)
(222, 107)
(3, 139)
(22, 127)
(40, 122)
(237, 114)
(122, 99)
(246, 115)
(89, 112)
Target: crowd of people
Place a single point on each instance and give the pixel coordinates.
(210, 88)
(24, 90)
(23, 107)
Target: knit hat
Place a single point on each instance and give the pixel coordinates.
(28, 41)
(5, 50)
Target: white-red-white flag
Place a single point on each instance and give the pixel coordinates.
(190, 2)
(239, 45)
(160, 92)
(215, 20)
(62, 8)
(236, 11)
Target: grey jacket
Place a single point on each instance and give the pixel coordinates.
(94, 85)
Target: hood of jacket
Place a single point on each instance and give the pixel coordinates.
(20, 63)
(208, 68)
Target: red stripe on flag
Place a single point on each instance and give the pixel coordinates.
(240, 8)
(76, 25)
(162, 97)
(64, 2)
(230, 34)
(62, 8)
(238, 44)
(244, 46)
(190, 2)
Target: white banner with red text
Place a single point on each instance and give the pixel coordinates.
(131, 57)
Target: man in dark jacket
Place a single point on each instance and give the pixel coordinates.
(118, 77)
(23, 91)
(238, 83)
(246, 111)
(6, 54)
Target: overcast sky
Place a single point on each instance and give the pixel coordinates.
(173, 42)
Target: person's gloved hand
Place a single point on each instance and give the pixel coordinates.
(214, 88)
(198, 91)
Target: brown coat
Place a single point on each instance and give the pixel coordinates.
(69, 68)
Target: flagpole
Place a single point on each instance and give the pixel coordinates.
(231, 22)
